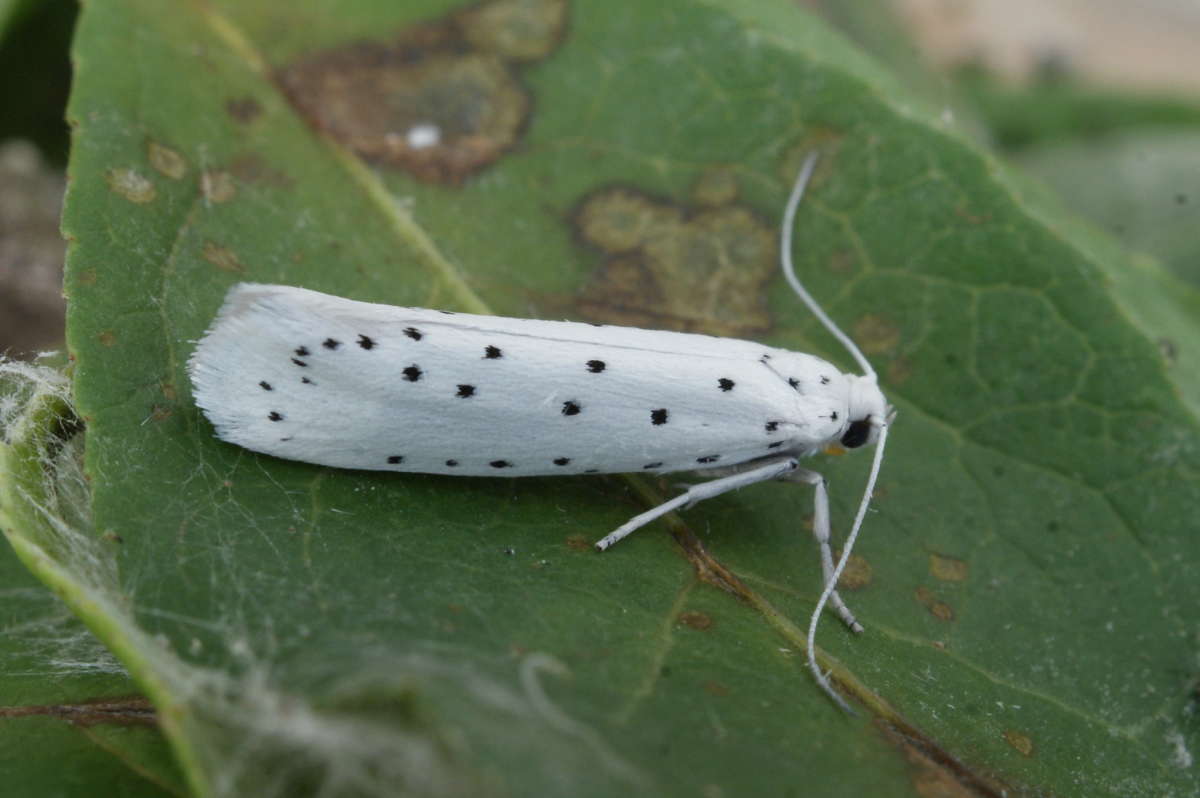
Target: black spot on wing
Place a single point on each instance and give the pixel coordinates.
(659, 417)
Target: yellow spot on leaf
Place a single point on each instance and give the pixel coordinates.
(166, 161)
(130, 185)
(1019, 741)
(857, 574)
(523, 30)
(217, 186)
(947, 569)
(876, 335)
(223, 258)
(670, 267)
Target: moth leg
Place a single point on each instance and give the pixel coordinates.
(769, 470)
(821, 533)
(726, 471)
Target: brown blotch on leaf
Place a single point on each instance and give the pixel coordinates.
(947, 569)
(243, 110)
(578, 543)
(676, 268)
(217, 186)
(700, 621)
(716, 688)
(223, 258)
(160, 413)
(857, 574)
(1168, 350)
(169, 391)
(107, 338)
(937, 608)
(254, 169)
(442, 100)
(131, 185)
(1019, 741)
(166, 161)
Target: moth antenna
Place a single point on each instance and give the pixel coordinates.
(789, 270)
(841, 566)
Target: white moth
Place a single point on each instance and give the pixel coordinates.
(321, 379)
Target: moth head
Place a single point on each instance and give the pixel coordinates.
(869, 411)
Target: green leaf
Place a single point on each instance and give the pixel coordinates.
(70, 717)
(306, 630)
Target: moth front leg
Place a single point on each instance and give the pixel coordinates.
(821, 533)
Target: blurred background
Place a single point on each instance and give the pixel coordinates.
(1099, 99)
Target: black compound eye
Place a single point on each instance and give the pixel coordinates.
(857, 433)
